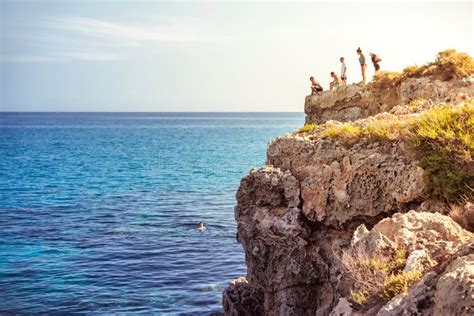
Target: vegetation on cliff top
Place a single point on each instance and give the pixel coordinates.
(449, 64)
(443, 135)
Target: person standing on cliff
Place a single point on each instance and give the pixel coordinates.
(375, 60)
(315, 86)
(363, 65)
(343, 71)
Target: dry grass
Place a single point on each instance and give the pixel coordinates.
(449, 64)
(400, 283)
(463, 214)
(386, 79)
(378, 276)
(345, 130)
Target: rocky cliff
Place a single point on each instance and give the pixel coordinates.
(350, 216)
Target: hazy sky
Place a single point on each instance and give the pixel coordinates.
(206, 56)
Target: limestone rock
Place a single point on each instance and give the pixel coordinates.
(239, 299)
(454, 293)
(433, 236)
(340, 184)
(353, 102)
(348, 103)
(280, 262)
(343, 308)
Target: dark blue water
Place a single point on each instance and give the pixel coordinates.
(98, 212)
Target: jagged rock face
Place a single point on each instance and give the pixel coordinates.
(432, 235)
(348, 103)
(240, 299)
(280, 261)
(353, 102)
(340, 184)
(455, 288)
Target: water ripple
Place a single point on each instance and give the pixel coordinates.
(98, 212)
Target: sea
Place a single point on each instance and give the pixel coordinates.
(99, 211)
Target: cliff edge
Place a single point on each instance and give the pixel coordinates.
(367, 209)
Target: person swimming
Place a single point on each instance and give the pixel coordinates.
(201, 227)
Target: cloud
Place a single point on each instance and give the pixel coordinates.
(59, 57)
(170, 32)
(90, 39)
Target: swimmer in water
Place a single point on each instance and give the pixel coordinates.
(201, 227)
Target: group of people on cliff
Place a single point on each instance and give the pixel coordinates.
(341, 80)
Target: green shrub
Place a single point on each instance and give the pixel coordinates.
(400, 283)
(346, 130)
(307, 128)
(381, 129)
(445, 137)
(359, 297)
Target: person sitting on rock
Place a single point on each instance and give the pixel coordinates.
(315, 86)
(336, 83)
(375, 60)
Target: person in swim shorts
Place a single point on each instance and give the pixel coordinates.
(315, 86)
(336, 82)
(343, 71)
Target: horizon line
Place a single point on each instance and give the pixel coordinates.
(151, 112)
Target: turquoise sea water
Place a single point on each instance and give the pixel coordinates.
(98, 211)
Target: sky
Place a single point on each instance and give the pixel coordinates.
(67, 55)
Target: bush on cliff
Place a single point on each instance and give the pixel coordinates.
(449, 64)
(445, 137)
(378, 277)
(307, 128)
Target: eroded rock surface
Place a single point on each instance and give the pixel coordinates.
(353, 102)
(272, 230)
(340, 184)
(240, 299)
(428, 237)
